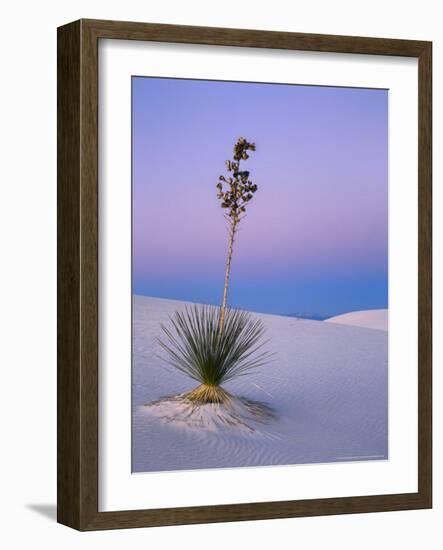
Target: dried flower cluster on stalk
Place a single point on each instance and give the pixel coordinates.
(236, 190)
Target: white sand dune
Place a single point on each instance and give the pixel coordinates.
(327, 385)
(370, 318)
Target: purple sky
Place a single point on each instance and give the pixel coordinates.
(315, 236)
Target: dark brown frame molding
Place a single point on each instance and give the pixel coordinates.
(77, 456)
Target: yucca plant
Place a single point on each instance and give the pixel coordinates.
(215, 344)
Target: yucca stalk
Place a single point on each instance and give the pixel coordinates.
(235, 192)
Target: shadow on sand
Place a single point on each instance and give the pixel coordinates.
(234, 413)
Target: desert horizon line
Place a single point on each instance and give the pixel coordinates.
(309, 315)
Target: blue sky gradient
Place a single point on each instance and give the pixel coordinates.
(315, 239)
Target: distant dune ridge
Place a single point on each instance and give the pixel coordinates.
(327, 386)
(371, 318)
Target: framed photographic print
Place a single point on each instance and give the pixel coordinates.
(244, 275)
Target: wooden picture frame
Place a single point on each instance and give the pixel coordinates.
(78, 274)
